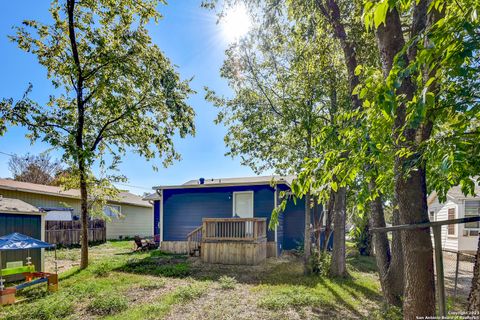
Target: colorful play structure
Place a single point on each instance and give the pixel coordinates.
(17, 241)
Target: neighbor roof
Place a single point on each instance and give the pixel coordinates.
(15, 205)
(456, 193)
(8, 184)
(241, 181)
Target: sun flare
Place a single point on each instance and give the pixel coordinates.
(235, 23)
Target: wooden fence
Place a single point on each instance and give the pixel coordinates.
(67, 233)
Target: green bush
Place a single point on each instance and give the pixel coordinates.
(107, 304)
(361, 235)
(227, 283)
(320, 262)
(101, 269)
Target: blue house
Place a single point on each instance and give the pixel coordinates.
(180, 209)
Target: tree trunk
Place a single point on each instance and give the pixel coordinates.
(474, 297)
(307, 243)
(410, 184)
(395, 275)
(84, 216)
(338, 265)
(392, 287)
(417, 244)
(328, 220)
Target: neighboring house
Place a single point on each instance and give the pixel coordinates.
(19, 216)
(457, 237)
(179, 209)
(136, 215)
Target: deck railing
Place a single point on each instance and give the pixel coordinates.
(234, 229)
(194, 239)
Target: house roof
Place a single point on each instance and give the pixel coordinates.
(15, 205)
(221, 182)
(456, 193)
(8, 184)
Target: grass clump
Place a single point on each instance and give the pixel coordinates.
(50, 307)
(153, 285)
(107, 304)
(158, 266)
(289, 297)
(189, 292)
(101, 269)
(227, 283)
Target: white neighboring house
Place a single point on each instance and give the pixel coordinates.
(457, 237)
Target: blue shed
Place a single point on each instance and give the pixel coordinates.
(179, 209)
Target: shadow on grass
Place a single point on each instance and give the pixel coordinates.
(156, 263)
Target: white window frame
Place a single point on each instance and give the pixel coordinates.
(465, 216)
(113, 205)
(240, 192)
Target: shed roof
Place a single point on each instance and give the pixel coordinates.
(9, 184)
(218, 182)
(15, 205)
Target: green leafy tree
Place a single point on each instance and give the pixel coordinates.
(114, 89)
(278, 108)
(426, 96)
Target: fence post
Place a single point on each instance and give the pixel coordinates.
(437, 233)
(457, 266)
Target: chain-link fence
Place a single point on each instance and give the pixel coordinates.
(458, 274)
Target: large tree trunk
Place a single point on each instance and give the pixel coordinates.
(338, 265)
(410, 184)
(474, 297)
(417, 243)
(84, 217)
(307, 243)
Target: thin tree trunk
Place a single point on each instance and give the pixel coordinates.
(474, 297)
(307, 244)
(392, 287)
(84, 217)
(395, 275)
(328, 220)
(338, 265)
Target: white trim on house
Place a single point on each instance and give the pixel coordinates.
(213, 185)
(242, 192)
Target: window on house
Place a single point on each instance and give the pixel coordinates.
(451, 215)
(472, 209)
(432, 215)
(112, 211)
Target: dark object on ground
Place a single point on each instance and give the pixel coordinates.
(144, 244)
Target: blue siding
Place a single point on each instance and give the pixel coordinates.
(156, 217)
(184, 208)
(294, 224)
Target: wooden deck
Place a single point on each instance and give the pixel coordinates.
(230, 240)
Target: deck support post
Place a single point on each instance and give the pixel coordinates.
(437, 234)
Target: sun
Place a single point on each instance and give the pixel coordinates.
(235, 23)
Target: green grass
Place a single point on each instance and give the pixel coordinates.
(121, 284)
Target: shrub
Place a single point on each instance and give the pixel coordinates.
(361, 235)
(320, 262)
(107, 304)
(190, 292)
(227, 283)
(101, 269)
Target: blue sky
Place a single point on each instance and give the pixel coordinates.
(190, 37)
